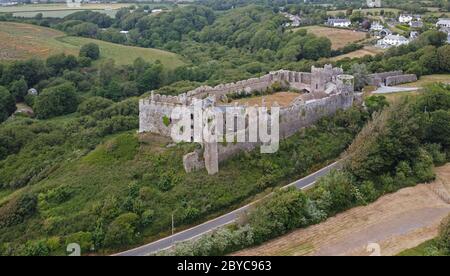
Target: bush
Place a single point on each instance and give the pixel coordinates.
(282, 212)
(444, 236)
(56, 101)
(84, 239)
(17, 210)
(122, 230)
(94, 104)
(90, 50)
(335, 192)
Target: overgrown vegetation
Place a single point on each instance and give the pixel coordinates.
(87, 191)
(396, 149)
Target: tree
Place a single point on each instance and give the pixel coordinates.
(439, 129)
(444, 58)
(90, 50)
(151, 78)
(56, 101)
(19, 89)
(56, 64)
(361, 74)
(7, 104)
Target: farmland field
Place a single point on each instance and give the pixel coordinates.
(339, 37)
(367, 50)
(23, 41)
(62, 10)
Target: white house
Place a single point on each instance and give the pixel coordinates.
(447, 31)
(157, 11)
(374, 3)
(392, 40)
(443, 23)
(413, 35)
(295, 20)
(342, 23)
(376, 26)
(405, 18)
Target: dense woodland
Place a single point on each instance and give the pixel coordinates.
(62, 170)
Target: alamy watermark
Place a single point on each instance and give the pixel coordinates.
(227, 124)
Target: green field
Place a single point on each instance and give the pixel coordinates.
(425, 249)
(23, 41)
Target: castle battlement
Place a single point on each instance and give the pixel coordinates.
(326, 90)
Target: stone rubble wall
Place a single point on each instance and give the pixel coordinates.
(292, 119)
(396, 80)
(379, 79)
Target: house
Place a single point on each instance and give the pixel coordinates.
(157, 11)
(416, 24)
(124, 32)
(385, 32)
(342, 23)
(392, 40)
(405, 18)
(413, 35)
(376, 27)
(374, 3)
(295, 20)
(447, 31)
(443, 23)
(32, 92)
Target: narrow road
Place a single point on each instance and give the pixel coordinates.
(211, 225)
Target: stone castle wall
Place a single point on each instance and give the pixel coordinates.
(396, 80)
(329, 89)
(390, 78)
(292, 119)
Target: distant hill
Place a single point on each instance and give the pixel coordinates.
(23, 41)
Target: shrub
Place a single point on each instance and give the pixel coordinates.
(17, 210)
(94, 104)
(284, 211)
(335, 192)
(90, 50)
(122, 230)
(56, 101)
(444, 236)
(84, 239)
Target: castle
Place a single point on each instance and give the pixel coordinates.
(320, 93)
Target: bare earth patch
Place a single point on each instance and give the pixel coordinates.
(282, 98)
(366, 51)
(397, 221)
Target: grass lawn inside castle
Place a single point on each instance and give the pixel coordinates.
(282, 98)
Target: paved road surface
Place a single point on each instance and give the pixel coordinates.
(394, 89)
(211, 225)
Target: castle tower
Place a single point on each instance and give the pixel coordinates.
(321, 76)
(345, 84)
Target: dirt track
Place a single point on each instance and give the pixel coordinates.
(396, 222)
